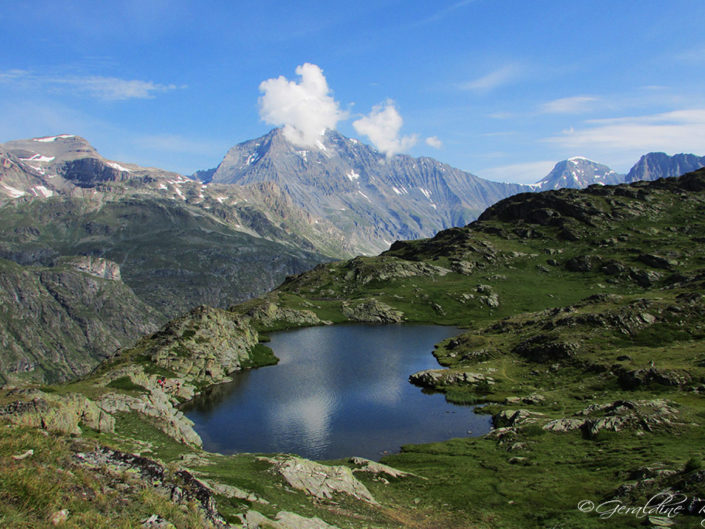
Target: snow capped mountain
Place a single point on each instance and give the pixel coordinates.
(655, 165)
(578, 172)
(372, 198)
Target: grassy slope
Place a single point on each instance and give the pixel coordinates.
(650, 312)
(174, 256)
(534, 265)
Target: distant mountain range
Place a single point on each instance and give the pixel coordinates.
(579, 172)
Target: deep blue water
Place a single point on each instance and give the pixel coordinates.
(337, 391)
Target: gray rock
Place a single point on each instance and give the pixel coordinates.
(372, 311)
(514, 418)
(321, 481)
(377, 468)
(448, 377)
(157, 406)
(284, 520)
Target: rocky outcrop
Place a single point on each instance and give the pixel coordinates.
(204, 346)
(230, 491)
(488, 296)
(60, 323)
(372, 311)
(321, 481)
(270, 314)
(513, 418)
(377, 469)
(56, 412)
(385, 268)
(543, 348)
(179, 486)
(639, 378)
(284, 520)
(617, 416)
(95, 266)
(432, 378)
(157, 406)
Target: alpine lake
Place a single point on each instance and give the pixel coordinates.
(338, 391)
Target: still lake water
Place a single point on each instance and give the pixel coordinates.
(337, 391)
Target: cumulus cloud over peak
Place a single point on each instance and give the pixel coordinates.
(434, 142)
(305, 108)
(382, 126)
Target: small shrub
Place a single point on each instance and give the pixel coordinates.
(694, 463)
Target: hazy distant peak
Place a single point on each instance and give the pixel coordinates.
(578, 172)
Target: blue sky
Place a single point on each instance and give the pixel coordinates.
(500, 88)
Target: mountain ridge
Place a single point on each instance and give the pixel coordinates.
(349, 183)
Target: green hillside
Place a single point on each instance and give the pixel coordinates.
(584, 340)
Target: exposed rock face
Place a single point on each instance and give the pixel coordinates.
(60, 323)
(377, 468)
(58, 413)
(448, 377)
(512, 418)
(488, 296)
(321, 481)
(230, 491)
(617, 416)
(270, 314)
(578, 173)
(180, 487)
(389, 268)
(637, 378)
(544, 348)
(362, 193)
(157, 406)
(96, 266)
(204, 346)
(372, 311)
(655, 165)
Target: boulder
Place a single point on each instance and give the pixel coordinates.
(377, 468)
(372, 311)
(284, 520)
(321, 481)
(513, 418)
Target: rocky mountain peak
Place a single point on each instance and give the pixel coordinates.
(655, 165)
(578, 172)
(372, 198)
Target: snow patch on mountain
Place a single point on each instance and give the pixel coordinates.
(49, 139)
(117, 166)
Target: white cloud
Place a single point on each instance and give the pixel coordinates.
(492, 80)
(677, 131)
(382, 126)
(568, 105)
(521, 173)
(434, 142)
(114, 89)
(108, 88)
(306, 109)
